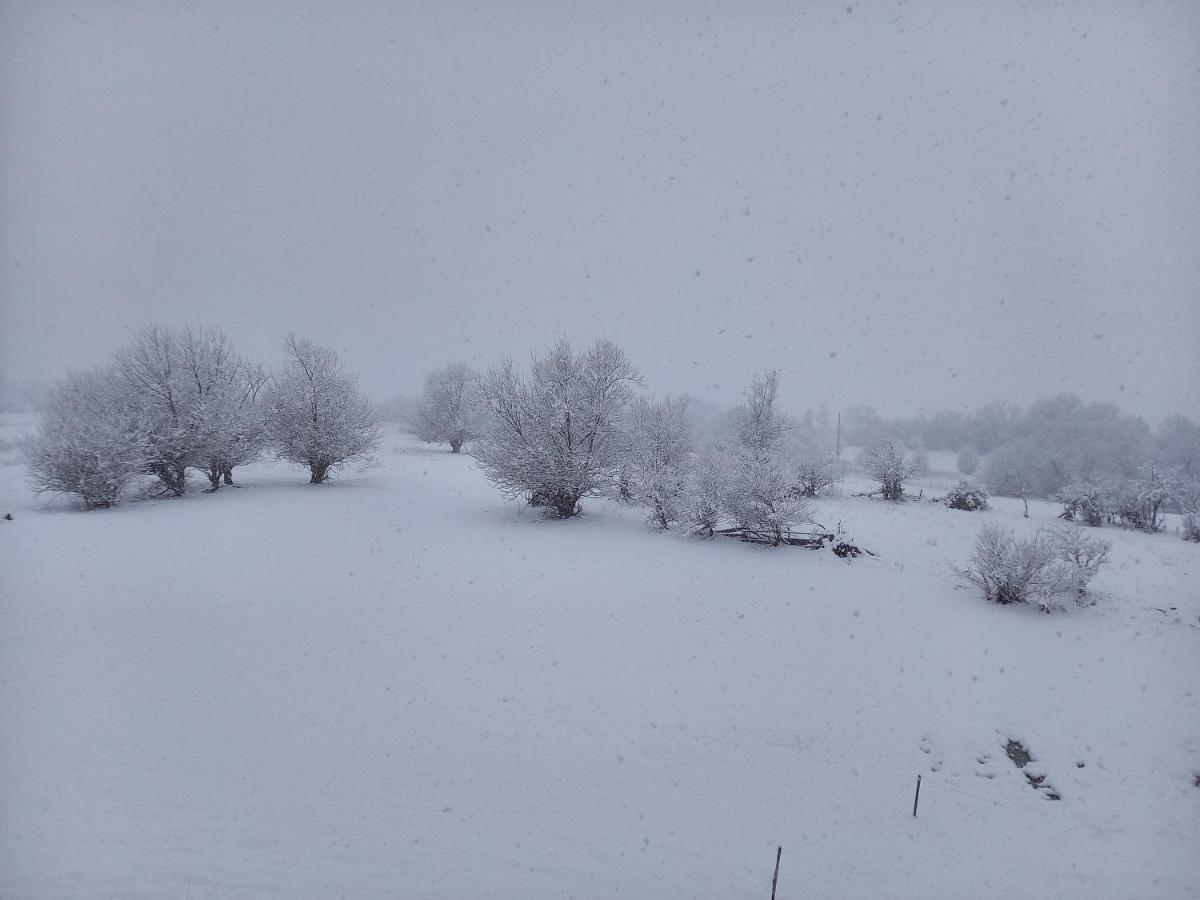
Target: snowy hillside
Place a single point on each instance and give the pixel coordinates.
(398, 684)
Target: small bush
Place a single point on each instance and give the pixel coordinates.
(1046, 569)
(1077, 558)
(1191, 527)
(1083, 502)
(966, 496)
(703, 499)
(1187, 497)
(1005, 569)
(890, 467)
(817, 473)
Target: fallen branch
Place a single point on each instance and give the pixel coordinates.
(812, 540)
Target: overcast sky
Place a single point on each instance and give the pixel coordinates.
(911, 205)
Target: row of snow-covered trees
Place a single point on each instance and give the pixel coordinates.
(573, 426)
(174, 401)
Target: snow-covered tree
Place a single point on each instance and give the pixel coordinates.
(1012, 470)
(890, 467)
(400, 409)
(1177, 445)
(317, 416)
(920, 461)
(760, 494)
(968, 460)
(992, 425)
(158, 387)
(660, 458)
(704, 496)
(816, 471)
(760, 490)
(198, 399)
(89, 441)
(556, 436)
(222, 389)
(450, 410)
(862, 426)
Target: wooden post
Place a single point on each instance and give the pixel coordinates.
(917, 796)
(775, 880)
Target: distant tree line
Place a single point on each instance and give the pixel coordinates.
(1105, 466)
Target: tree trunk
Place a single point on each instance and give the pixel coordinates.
(173, 477)
(228, 473)
(456, 445)
(320, 471)
(214, 476)
(566, 506)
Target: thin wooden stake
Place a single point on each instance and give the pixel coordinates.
(775, 880)
(917, 796)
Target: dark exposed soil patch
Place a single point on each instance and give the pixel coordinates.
(1021, 757)
(1017, 753)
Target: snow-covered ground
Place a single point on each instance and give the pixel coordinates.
(400, 684)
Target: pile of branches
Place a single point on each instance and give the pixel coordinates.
(812, 540)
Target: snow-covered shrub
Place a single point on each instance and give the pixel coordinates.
(557, 435)
(968, 460)
(90, 440)
(660, 461)
(1187, 496)
(1005, 569)
(1140, 500)
(1046, 569)
(1122, 504)
(966, 496)
(1190, 530)
(760, 493)
(1077, 558)
(317, 416)
(450, 410)
(816, 472)
(1083, 502)
(890, 467)
(705, 494)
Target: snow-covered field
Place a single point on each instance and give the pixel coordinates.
(399, 684)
